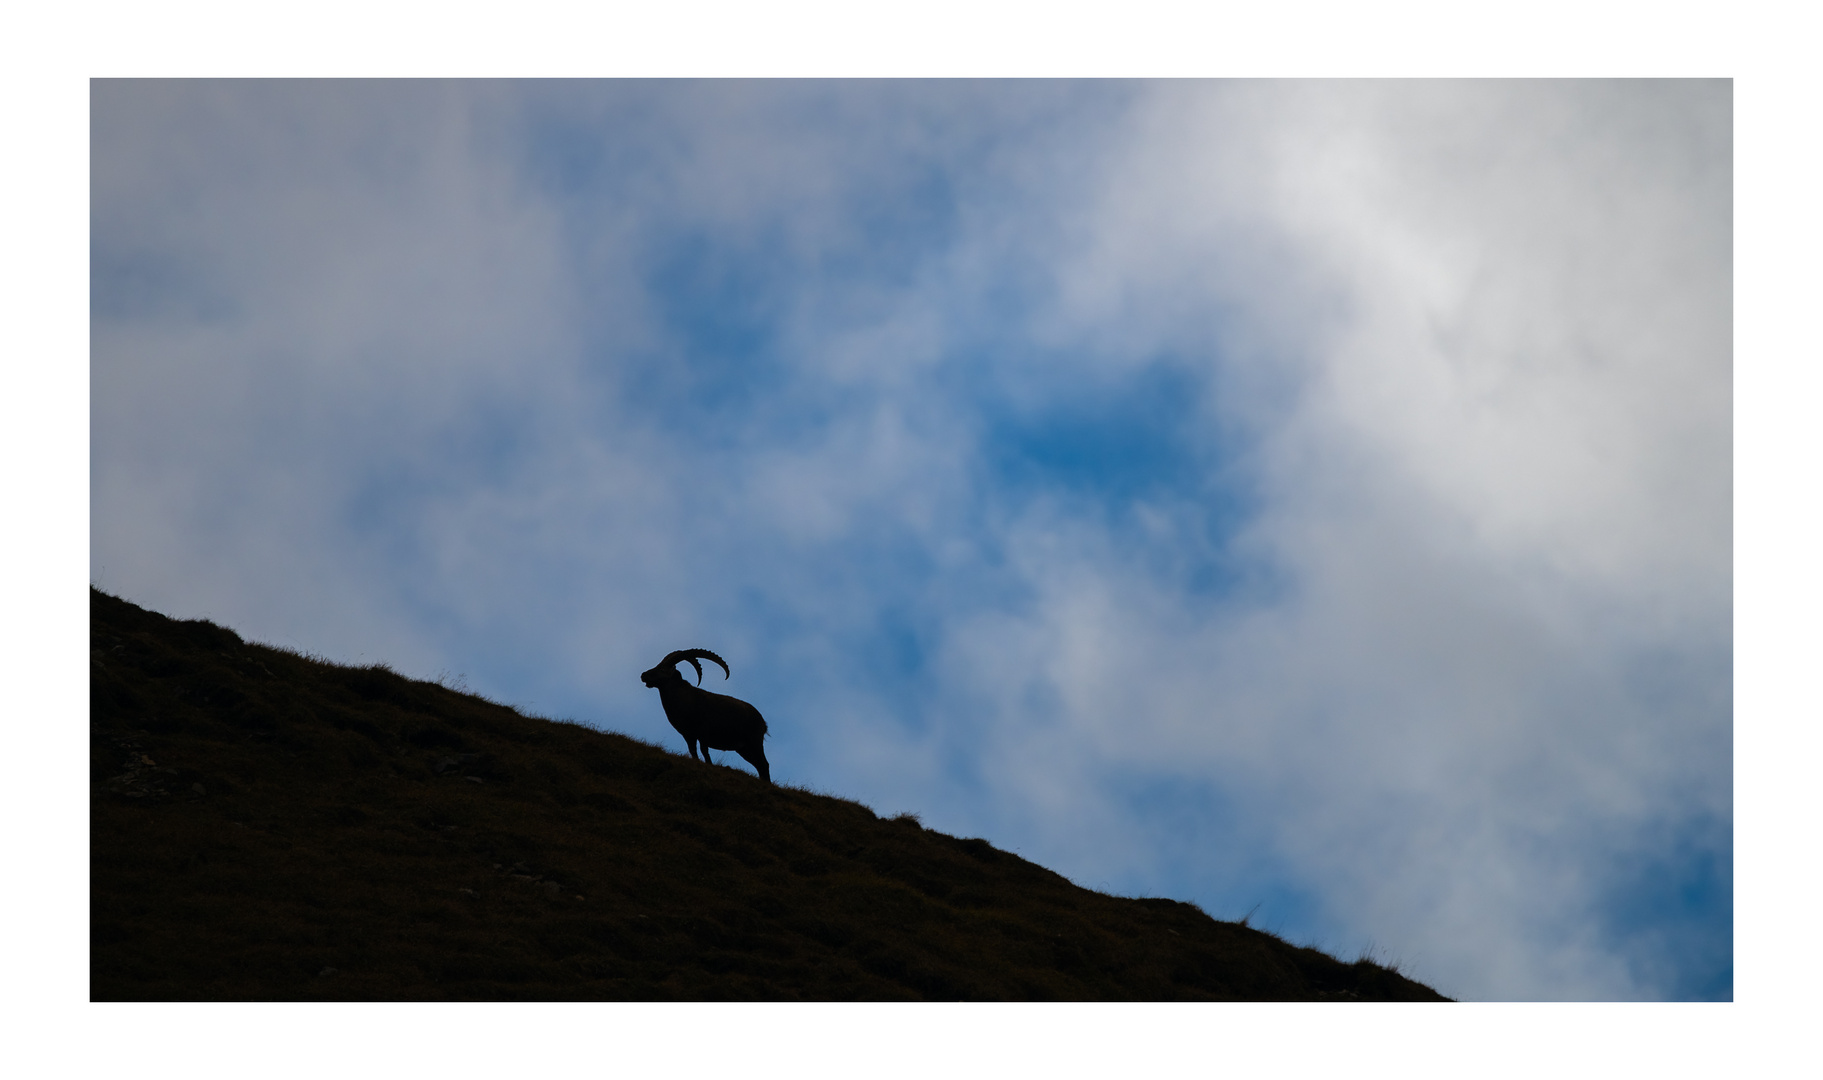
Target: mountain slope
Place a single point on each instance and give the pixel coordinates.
(267, 826)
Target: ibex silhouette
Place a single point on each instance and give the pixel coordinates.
(716, 721)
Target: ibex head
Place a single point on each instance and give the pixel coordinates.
(666, 671)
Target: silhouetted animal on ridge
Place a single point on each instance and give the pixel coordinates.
(717, 721)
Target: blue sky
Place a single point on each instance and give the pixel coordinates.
(1305, 498)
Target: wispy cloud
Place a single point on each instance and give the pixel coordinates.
(1310, 495)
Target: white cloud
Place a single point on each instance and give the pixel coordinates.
(297, 294)
(1497, 480)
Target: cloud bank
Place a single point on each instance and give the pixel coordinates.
(1312, 498)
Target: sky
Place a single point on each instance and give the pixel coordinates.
(1308, 499)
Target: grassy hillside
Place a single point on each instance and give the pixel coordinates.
(266, 826)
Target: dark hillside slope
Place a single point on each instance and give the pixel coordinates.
(266, 826)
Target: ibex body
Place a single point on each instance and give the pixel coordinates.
(716, 721)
